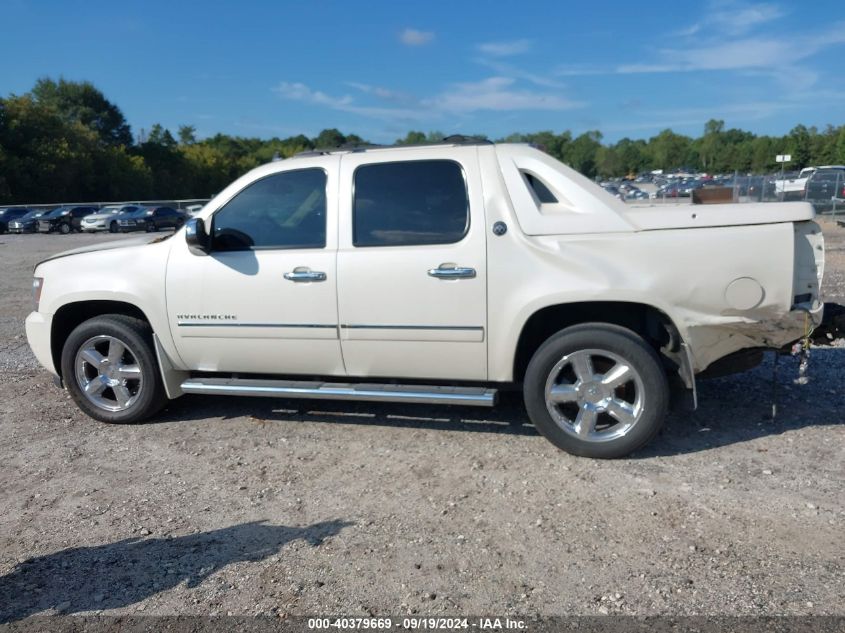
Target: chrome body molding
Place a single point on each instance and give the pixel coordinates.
(238, 324)
(457, 328)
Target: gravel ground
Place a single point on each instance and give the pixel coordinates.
(260, 506)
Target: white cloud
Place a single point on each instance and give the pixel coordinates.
(509, 70)
(740, 54)
(773, 56)
(505, 49)
(732, 17)
(495, 93)
(301, 92)
(413, 37)
(386, 94)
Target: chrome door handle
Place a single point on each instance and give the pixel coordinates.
(455, 272)
(305, 275)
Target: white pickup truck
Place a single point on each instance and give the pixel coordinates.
(790, 189)
(437, 274)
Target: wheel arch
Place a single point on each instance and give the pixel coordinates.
(70, 315)
(654, 325)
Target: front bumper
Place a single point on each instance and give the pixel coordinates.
(23, 228)
(38, 326)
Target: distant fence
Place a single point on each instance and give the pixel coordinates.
(826, 194)
(176, 204)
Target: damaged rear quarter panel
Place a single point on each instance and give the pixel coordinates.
(683, 272)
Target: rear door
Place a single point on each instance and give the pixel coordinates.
(412, 280)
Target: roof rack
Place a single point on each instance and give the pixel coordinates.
(454, 139)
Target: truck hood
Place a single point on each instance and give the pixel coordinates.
(690, 216)
(107, 246)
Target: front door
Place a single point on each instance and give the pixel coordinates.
(264, 300)
(412, 282)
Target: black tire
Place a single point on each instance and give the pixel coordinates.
(113, 227)
(151, 227)
(138, 337)
(64, 228)
(621, 342)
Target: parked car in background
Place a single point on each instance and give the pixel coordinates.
(7, 214)
(632, 192)
(106, 218)
(27, 223)
(193, 209)
(64, 219)
(825, 185)
(150, 219)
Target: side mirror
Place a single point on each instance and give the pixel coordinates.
(197, 237)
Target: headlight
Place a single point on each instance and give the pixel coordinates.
(37, 286)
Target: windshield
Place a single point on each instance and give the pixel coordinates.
(136, 213)
(107, 210)
(54, 213)
(32, 215)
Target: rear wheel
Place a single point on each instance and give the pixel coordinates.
(596, 390)
(110, 369)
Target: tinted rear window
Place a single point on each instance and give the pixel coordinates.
(410, 203)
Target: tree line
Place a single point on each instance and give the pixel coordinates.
(65, 141)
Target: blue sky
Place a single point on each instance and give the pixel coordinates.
(379, 69)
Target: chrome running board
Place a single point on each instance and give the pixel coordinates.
(429, 394)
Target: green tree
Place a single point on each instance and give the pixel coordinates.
(83, 103)
(711, 144)
(412, 138)
(799, 145)
(582, 153)
(160, 136)
(328, 139)
(840, 146)
(669, 150)
(187, 134)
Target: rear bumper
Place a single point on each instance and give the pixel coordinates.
(38, 326)
(713, 342)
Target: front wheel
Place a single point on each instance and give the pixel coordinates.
(64, 228)
(110, 369)
(113, 227)
(596, 390)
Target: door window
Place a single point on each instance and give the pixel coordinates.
(410, 203)
(282, 211)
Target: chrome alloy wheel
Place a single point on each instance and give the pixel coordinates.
(594, 395)
(108, 373)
